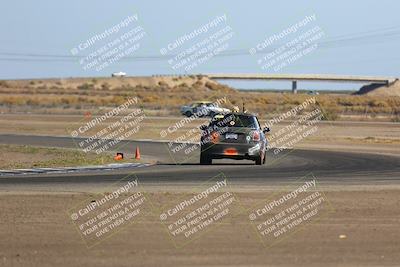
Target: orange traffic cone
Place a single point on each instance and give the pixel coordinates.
(88, 115)
(137, 153)
(119, 156)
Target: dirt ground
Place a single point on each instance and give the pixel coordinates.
(21, 156)
(360, 230)
(375, 137)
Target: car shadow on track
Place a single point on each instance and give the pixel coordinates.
(214, 164)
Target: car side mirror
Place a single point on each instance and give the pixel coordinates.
(266, 130)
(203, 127)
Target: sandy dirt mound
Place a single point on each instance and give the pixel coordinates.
(197, 81)
(378, 90)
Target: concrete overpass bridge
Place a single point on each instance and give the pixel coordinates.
(294, 78)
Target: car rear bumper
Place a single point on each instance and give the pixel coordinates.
(232, 151)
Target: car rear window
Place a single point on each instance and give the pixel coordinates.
(237, 120)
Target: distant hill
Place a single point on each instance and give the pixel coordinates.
(164, 95)
(198, 82)
(392, 89)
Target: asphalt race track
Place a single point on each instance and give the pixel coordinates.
(331, 167)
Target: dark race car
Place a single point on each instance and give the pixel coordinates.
(233, 136)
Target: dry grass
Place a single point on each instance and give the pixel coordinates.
(164, 95)
(21, 156)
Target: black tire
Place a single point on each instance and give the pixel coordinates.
(260, 159)
(188, 114)
(205, 160)
(265, 156)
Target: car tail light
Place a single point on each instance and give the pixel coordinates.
(230, 151)
(256, 136)
(214, 137)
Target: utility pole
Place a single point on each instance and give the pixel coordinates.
(294, 87)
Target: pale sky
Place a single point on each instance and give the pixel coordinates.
(361, 37)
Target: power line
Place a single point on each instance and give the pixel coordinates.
(372, 36)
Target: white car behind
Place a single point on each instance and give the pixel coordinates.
(118, 74)
(202, 109)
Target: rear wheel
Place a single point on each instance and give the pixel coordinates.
(265, 156)
(260, 160)
(205, 160)
(188, 114)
